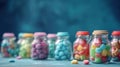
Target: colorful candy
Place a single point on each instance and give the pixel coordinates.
(100, 47)
(115, 51)
(39, 46)
(86, 62)
(81, 47)
(74, 62)
(51, 44)
(63, 47)
(25, 47)
(8, 46)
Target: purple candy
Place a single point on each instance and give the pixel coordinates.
(33, 45)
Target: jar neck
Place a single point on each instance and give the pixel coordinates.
(40, 38)
(63, 37)
(103, 38)
(83, 37)
(116, 37)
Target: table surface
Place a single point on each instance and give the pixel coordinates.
(4, 62)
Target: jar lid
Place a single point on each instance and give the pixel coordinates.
(40, 34)
(8, 35)
(99, 32)
(27, 35)
(62, 34)
(82, 33)
(51, 35)
(116, 33)
(20, 34)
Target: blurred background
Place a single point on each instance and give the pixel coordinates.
(52, 16)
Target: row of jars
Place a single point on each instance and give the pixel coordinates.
(97, 48)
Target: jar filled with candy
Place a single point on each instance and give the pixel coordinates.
(81, 46)
(20, 39)
(63, 46)
(100, 47)
(39, 46)
(25, 48)
(8, 45)
(115, 46)
(51, 42)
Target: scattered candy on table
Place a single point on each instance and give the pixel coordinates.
(81, 47)
(39, 46)
(86, 62)
(74, 62)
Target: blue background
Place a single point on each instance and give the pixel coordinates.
(52, 16)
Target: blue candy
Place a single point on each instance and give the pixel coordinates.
(103, 46)
(61, 53)
(57, 57)
(63, 57)
(98, 50)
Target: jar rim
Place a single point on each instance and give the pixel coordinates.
(99, 32)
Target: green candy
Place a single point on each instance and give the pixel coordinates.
(82, 57)
(98, 60)
(108, 47)
(92, 52)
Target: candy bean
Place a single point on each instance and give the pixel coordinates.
(103, 46)
(98, 50)
(74, 62)
(79, 48)
(61, 53)
(86, 62)
(98, 55)
(104, 58)
(93, 47)
(77, 57)
(63, 57)
(57, 57)
(97, 60)
(104, 53)
(92, 52)
(82, 57)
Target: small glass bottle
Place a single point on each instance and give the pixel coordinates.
(81, 46)
(25, 48)
(63, 46)
(8, 45)
(100, 47)
(51, 42)
(39, 46)
(115, 46)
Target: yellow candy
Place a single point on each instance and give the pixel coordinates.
(74, 62)
(93, 46)
(108, 53)
(77, 57)
(104, 53)
(79, 48)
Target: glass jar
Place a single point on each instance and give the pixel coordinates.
(39, 46)
(8, 45)
(25, 48)
(100, 47)
(81, 46)
(63, 46)
(115, 46)
(20, 38)
(51, 42)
